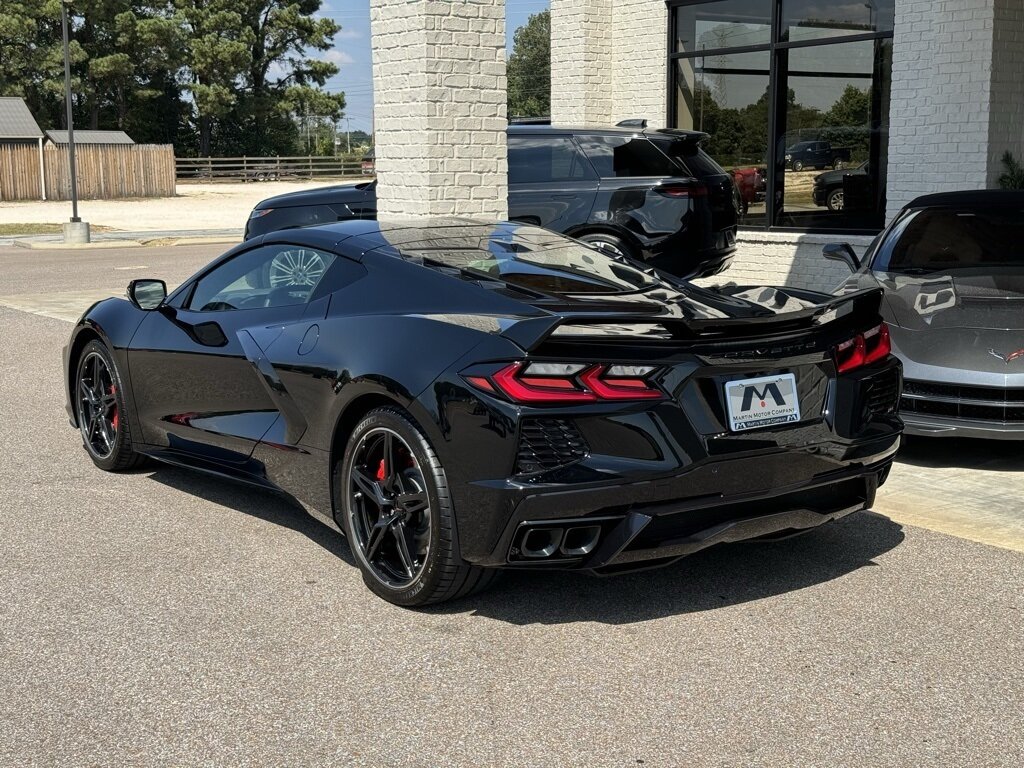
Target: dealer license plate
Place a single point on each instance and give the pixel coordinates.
(762, 402)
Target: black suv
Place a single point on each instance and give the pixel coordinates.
(655, 196)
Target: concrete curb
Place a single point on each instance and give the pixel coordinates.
(175, 241)
(49, 245)
(59, 245)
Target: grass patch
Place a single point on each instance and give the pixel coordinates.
(21, 230)
(30, 229)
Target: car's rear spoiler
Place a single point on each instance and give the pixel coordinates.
(724, 317)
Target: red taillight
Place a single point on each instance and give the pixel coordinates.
(877, 343)
(864, 349)
(682, 190)
(557, 383)
(607, 387)
(539, 389)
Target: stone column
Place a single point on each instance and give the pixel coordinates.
(440, 108)
(1006, 119)
(957, 95)
(608, 61)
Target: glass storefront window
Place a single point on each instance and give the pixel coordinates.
(819, 19)
(727, 97)
(723, 24)
(796, 110)
(830, 153)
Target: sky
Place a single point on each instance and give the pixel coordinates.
(351, 52)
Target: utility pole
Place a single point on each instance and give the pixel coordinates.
(76, 230)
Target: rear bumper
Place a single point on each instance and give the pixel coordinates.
(946, 426)
(636, 532)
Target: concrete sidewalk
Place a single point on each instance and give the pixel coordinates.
(202, 207)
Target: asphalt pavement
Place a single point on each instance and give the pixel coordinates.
(163, 618)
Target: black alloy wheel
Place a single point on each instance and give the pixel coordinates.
(390, 510)
(100, 410)
(98, 415)
(396, 512)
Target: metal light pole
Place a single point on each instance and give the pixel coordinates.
(75, 231)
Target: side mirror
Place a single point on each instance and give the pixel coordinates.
(147, 294)
(842, 252)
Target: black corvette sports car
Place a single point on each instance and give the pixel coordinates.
(458, 397)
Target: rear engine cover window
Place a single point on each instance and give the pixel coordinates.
(527, 257)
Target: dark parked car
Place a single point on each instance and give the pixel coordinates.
(649, 195)
(843, 190)
(952, 268)
(460, 397)
(816, 154)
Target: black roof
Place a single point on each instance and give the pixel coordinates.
(977, 198)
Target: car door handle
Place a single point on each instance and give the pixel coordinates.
(564, 197)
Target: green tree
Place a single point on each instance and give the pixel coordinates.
(218, 51)
(529, 68)
(284, 81)
(129, 46)
(32, 59)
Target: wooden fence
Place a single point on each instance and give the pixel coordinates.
(105, 171)
(206, 169)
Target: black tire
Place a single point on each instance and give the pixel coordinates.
(104, 421)
(834, 201)
(612, 244)
(798, 165)
(438, 574)
(838, 165)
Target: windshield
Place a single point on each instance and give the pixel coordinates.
(528, 257)
(946, 239)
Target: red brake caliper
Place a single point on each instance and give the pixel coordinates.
(114, 421)
(381, 474)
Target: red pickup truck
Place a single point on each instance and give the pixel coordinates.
(750, 184)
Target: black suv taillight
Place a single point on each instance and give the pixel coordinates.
(567, 383)
(680, 190)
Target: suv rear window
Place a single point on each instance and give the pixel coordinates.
(627, 156)
(692, 157)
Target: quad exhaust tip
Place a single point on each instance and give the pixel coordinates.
(570, 541)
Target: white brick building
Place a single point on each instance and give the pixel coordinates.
(910, 96)
(946, 78)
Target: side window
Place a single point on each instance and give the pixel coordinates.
(271, 276)
(626, 156)
(540, 159)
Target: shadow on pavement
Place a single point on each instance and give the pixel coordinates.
(266, 505)
(966, 453)
(721, 576)
(715, 578)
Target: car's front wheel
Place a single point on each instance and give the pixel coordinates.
(798, 165)
(397, 514)
(103, 419)
(834, 201)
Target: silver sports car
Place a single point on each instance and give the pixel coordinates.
(952, 268)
